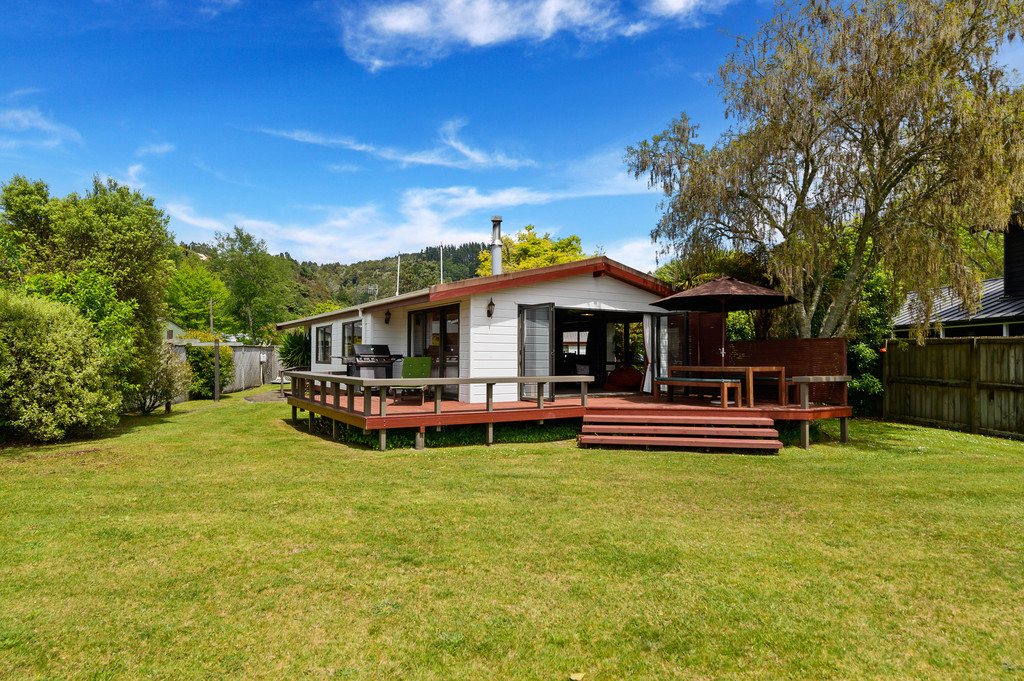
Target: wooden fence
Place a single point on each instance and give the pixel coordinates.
(970, 384)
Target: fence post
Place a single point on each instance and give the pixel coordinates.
(972, 391)
(216, 370)
(885, 381)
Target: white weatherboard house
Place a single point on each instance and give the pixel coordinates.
(580, 318)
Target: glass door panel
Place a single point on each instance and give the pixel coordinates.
(536, 346)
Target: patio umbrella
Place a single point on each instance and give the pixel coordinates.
(726, 294)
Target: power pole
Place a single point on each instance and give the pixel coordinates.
(211, 316)
(398, 276)
(440, 252)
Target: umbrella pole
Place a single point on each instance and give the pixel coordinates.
(721, 350)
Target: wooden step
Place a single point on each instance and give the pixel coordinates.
(681, 420)
(667, 441)
(626, 428)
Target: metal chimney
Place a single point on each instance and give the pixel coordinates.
(496, 244)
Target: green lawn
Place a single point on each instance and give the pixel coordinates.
(225, 543)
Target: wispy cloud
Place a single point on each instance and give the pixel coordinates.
(221, 176)
(28, 127)
(424, 216)
(155, 149)
(453, 152)
(15, 95)
(379, 35)
(213, 8)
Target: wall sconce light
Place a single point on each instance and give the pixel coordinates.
(490, 308)
(387, 316)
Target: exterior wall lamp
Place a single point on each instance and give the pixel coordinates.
(490, 308)
(387, 316)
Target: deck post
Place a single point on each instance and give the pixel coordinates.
(490, 397)
(367, 401)
(437, 403)
(383, 439)
(295, 415)
(334, 430)
(350, 397)
(844, 429)
(336, 389)
(540, 395)
(311, 415)
(583, 395)
(490, 433)
(420, 441)
(383, 403)
(805, 425)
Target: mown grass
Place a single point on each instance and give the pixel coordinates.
(224, 543)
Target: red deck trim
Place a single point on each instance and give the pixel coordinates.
(628, 407)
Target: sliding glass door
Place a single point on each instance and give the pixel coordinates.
(434, 333)
(536, 346)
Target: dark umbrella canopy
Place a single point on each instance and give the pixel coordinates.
(725, 294)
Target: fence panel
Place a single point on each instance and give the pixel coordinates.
(255, 365)
(970, 384)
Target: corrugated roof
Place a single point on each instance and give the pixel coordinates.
(993, 307)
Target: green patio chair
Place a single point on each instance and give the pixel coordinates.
(414, 367)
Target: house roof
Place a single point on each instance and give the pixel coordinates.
(993, 307)
(599, 267)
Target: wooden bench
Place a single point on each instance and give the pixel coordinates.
(723, 384)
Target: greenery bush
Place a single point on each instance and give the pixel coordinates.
(167, 375)
(865, 390)
(200, 360)
(295, 349)
(54, 377)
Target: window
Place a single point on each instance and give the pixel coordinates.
(323, 344)
(351, 334)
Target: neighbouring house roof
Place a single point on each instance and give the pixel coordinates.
(993, 307)
(599, 267)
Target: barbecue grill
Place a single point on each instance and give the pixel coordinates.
(373, 357)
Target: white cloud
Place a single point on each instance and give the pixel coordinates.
(213, 8)
(30, 128)
(453, 152)
(640, 254)
(187, 215)
(427, 216)
(380, 35)
(155, 149)
(134, 171)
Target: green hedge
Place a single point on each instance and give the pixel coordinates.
(54, 378)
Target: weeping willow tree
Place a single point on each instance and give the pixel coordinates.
(867, 134)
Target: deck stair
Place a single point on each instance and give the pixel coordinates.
(728, 433)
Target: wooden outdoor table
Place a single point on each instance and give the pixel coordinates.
(747, 372)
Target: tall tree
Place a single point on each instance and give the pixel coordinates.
(256, 279)
(110, 237)
(189, 292)
(872, 133)
(526, 249)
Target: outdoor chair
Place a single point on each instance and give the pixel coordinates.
(414, 367)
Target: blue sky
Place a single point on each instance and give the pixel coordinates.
(346, 131)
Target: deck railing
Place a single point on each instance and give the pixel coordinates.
(304, 386)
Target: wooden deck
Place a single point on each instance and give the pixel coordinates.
(366, 414)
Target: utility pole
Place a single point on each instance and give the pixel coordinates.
(211, 316)
(440, 252)
(398, 276)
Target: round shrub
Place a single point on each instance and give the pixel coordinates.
(54, 378)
